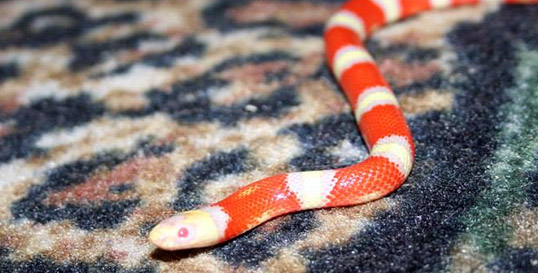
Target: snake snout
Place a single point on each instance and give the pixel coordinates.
(189, 229)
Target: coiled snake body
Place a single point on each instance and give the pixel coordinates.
(380, 120)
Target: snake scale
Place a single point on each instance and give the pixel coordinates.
(380, 121)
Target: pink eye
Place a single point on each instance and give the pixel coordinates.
(183, 232)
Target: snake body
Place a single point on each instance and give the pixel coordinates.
(380, 121)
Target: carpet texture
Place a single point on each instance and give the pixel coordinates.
(116, 114)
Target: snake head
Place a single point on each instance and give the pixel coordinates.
(189, 229)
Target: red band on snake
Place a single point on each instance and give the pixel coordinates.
(380, 121)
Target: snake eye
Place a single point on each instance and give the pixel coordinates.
(183, 232)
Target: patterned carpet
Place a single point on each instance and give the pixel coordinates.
(116, 114)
